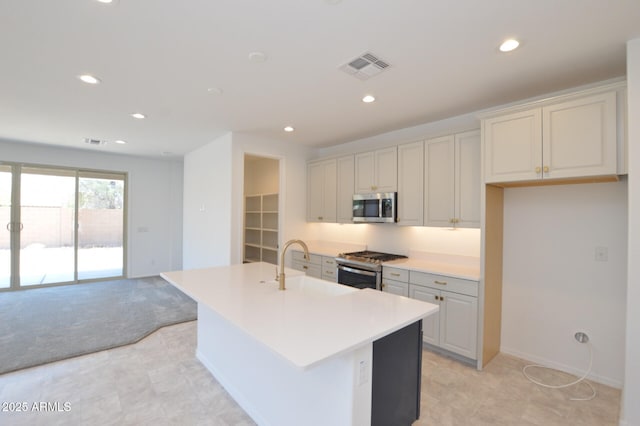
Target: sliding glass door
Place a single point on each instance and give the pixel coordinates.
(47, 218)
(62, 225)
(100, 225)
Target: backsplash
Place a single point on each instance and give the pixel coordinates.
(400, 239)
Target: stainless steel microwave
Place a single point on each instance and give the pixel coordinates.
(375, 207)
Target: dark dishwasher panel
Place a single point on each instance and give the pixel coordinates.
(397, 375)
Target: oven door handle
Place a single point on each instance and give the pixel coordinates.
(357, 271)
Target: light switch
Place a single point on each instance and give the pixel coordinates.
(602, 254)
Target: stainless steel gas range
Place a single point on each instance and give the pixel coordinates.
(363, 269)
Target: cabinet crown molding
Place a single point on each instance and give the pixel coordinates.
(551, 99)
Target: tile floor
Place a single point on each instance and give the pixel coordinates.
(158, 382)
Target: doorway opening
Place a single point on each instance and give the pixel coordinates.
(261, 214)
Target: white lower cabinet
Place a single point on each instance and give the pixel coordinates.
(329, 271)
(454, 327)
(431, 324)
(318, 266)
(395, 281)
(395, 287)
(311, 266)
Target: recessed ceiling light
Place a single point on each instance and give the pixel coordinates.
(120, 142)
(509, 45)
(89, 79)
(105, 1)
(214, 91)
(289, 129)
(257, 57)
(368, 99)
(138, 115)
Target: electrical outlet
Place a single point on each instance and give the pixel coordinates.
(363, 373)
(581, 337)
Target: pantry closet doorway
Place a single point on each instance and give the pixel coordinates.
(261, 209)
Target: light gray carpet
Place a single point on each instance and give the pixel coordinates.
(42, 325)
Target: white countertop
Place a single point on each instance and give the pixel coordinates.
(457, 266)
(433, 266)
(305, 329)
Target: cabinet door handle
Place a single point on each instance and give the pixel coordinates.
(305, 267)
(319, 217)
(382, 286)
(538, 169)
(545, 169)
(440, 282)
(394, 274)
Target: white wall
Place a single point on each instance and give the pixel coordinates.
(261, 175)
(292, 198)
(214, 179)
(409, 134)
(154, 200)
(552, 284)
(207, 205)
(630, 407)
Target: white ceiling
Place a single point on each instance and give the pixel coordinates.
(159, 57)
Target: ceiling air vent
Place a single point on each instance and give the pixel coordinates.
(95, 142)
(365, 66)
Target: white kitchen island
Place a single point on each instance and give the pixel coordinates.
(304, 355)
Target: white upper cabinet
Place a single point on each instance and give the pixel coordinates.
(570, 139)
(439, 175)
(579, 137)
(346, 184)
(513, 146)
(377, 171)
(452, 180)
(468, 181)
(321, 191)
(410, 184)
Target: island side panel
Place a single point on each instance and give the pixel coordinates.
(397, 377)
(275, 392)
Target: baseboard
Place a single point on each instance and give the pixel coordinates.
(136, 277)
(447, 354)
(562, 367)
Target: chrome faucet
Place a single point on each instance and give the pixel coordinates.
(284, 249)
